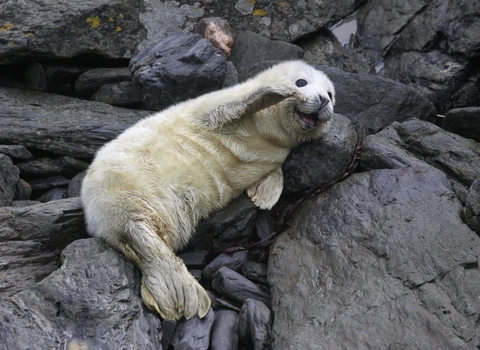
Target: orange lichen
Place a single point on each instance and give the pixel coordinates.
(260, 12)
(94, 21)
(6, 26)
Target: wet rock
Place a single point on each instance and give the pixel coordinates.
(177, 68)
(381, 248)
(93, 79)
(35, 77)
(15, 151)
(9, 178)
(254, 325)
(464, 122)
(236, 287)
(232, 261)
(32, 238)
(224, 330)
(217, 31)
(60, 124)
(49, 183)
(124, 94)
(251, 49)
(193, 334)
(103, 307)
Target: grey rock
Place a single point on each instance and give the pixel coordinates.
(382, 251)
(15, 151)
(91, 302)
(224, 330)
(124, 94)
(254, 325)
(40, 167)
(75, 185)
(54, 194)
(93, 79)
(471, 211)
(251, 49)
(23, 191)
(231, 75)
(194, 260)
(35, 77)
(49, 183)
(464, 122)
(228, 227)
(323, 160)
(193, 334)
(32, 238)
(9, 178)
(51, 29)
(232, 261)
(236, 287)
(256, 272)
(60, 124)
(177, 68)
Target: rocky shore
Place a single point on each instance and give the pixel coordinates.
(386, 259)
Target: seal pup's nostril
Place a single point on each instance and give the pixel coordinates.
(323, 102)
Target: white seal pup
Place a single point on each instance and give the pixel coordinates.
(146, 190)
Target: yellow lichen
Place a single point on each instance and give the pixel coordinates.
(6, 26)
(281, 4)
(251, 2)
(10, 43)
(119, 29)
(110, 19)
(120, 15)
(260, 12)
(29, 34)
(94, 21)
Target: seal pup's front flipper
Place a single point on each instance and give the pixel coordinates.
(267, 191)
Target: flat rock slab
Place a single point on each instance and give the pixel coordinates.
(383, 251)
(60, 124)
(91, 302)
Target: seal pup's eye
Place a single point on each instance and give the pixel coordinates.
(301, 82)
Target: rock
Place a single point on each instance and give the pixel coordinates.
(254, 325)
(75, 185)
(232, 261)
(224, 330)
(49, 183)
(54, 194)
(193, 334)
(108, 28)
(236, 287)
(40, 167)
(9, 178)
(35, 77)
(91, 302)
(383, 251)
(124, 94)
(194, 260)
(15, 151)
(178, 68)
(323, 160)
(217, 31)
(256, 272)
(227, 227)
(231, 75)
(32, 238)
(464, 122)
(60, 124)
(251, 49)
(93, 79)
(23, 192)
(471, 211)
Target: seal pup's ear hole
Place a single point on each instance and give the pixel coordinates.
(301, 82)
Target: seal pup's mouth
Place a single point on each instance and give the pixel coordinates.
(308, 121)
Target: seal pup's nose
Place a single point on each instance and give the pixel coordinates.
(323, 102)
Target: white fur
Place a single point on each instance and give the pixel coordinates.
(146, 190)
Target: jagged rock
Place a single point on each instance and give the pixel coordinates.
(254, 271)
(60, 124)
(15, 151)
(53, 29)
(232, 261)
(193, 334)
(251, 49)
(254, 325)
(9, 178)
(471, 211)
(49, 183)
(124, 94)
(323, 160)
(236, 287)
(54, 194)
(42, 167)
(91, 302)
(177, 68)
(230, 226)
(224, 330)
(382, 251)
(93, 79)
(231, 75)
(32, 238)
(35, 77)
(75, 185)
(464, 122)
(23, 192)
(194, 260)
